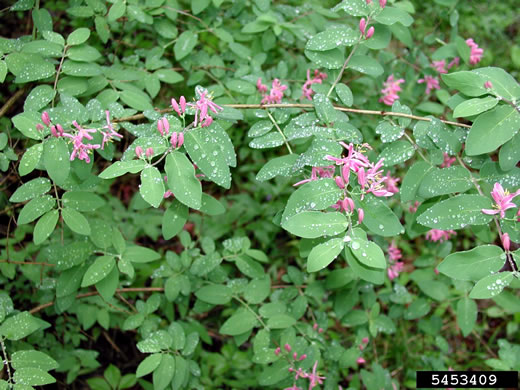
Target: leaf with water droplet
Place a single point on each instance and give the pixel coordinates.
(491, 285)
(152, 186)
(324, 254)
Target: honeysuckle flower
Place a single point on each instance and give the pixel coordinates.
(394, 253)
(318, 78)
(293, 387)
(177, 139)
(503, 201)
(431, 83)
(382, 3)
(506, 241)
(45, 118)
(394, 270)
(138, 151)
(208, 121)
(360, 360)
(180, 108)
(202, 106)
(316, 173)
(262, 88)
(440, 66)
(363, 26)
(476, 53)
(391, 183)
(287, 347)
(360, 215)
(448, 161)
(391, 87)
(276, 93)
(314, 378)
(149, 152)
(436, 235)
(303, 357)
(163, 126)
(39, 127)
(277, 351)
(80, 149)
(413, 208)
(454, 62)
(488, 85)
(369, 1)
(370, 32)
(110, 133)
(340, 182)
(346, 205)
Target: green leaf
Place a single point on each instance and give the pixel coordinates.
(417, 309)
(29, 67)
(3, 71)
(314, 224)
(208, 156)
(31, 189)
(241, 86)
(76, 221)
(492, 129)
(39, 97)
(389, 132)
(345, 94)
(397, 152)
(117, 10)
(45, 226)
(492, 174)
(26, 123)
(278, 166)
(185, 43)
(258, 290)
(324, 254)
(138, 100)
(20, 325)
(379, 218)
(281, 321)
(332, 38)
(270, 140)
(34, 359)
(475, 106)
(315, 195)
(324, 109)
(366, 64)
(148, 365)
(56, 159)
(98, 270)
(139, 254)
(390, 15)
(353, 7)
(469, 83)
(197, 6)
(155, 342)
(466, 315)
(152, 186)
(174, 219)
(163, 374)
(474, 264)
(491, 285)
(238, 323)
(503, 83)
(211, 206)
(508, 156)
(457, 213)
(107, 286)
(368, 253)
(182, 181)
(260, 128)
(330, 59)
(215, 294)
(79, 36)
(119, 168)
(35, 208)
(30, 159)
(445, 181)
(372, 275)
(82, 200)
(30, 376)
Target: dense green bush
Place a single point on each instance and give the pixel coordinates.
(249, 194)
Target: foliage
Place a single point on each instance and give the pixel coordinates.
(252, 194)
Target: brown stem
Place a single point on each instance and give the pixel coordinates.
(27, 262)
(12, 100)
(94, 293)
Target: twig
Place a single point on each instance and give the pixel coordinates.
(280, 131)
(94, 293)
(6, 362)
(27, 263)
(307, 105)
(12, 100)
(65, 48)
(338, 79)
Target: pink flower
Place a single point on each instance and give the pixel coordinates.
(360, 215)
(314, 378)
(39, 127)
(167, 194)
(431, 83)
(382, 3)
(80, 149)
(394, 270)
(369, 1)
(293, 387)
(394, 252)
(391, 183)
(363, 26)
(277, 351)
(436, 235)
(149, 152)
(276, 93)
(318, 78)
(138, 151)
(163, 126)
(340, 182)
(476, 52)
(262, 88)
(317, 173)
(111, 133)
(177, 139)
(180, 108)
(454, 62)
(391, 87)
(506, 242)
(502, 201)
(303, 357)
(45, 118)
(488, 85)
(370, 32)
(413, 208)
(440, 66)
(360, 360)
(448, 161)
(365, 340)
(202, 106)
(287, 347)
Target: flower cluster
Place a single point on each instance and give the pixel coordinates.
(394, 253)
(313, 377)
(503, 201)
(307, 91)
(363, 23)
(476, 52)
(448, 161)
(276, 93)
(431, 83)
(176, 138)
(391, 87)
(436, 235)
(441, 67)
(202, 107)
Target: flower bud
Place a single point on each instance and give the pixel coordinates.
(183, 104)
(382, 3)
(369, 1)
(506, 242)
(175, 106)
(287, 347)
(60, 130)
(173, 139)
(208, 121)
(163, 126)
(364, 340)
(362, 26)
(320, 330)
(370, 32)
(180, 141)
(303, 357)
(315, 326)
(295, 356)
(149, 152)
(54, 132)
(45, 118)
(360, 215)
(39, 127)
(138, 151)
(277, 351)
(340, 182)
(488, 85)
(360, 360)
